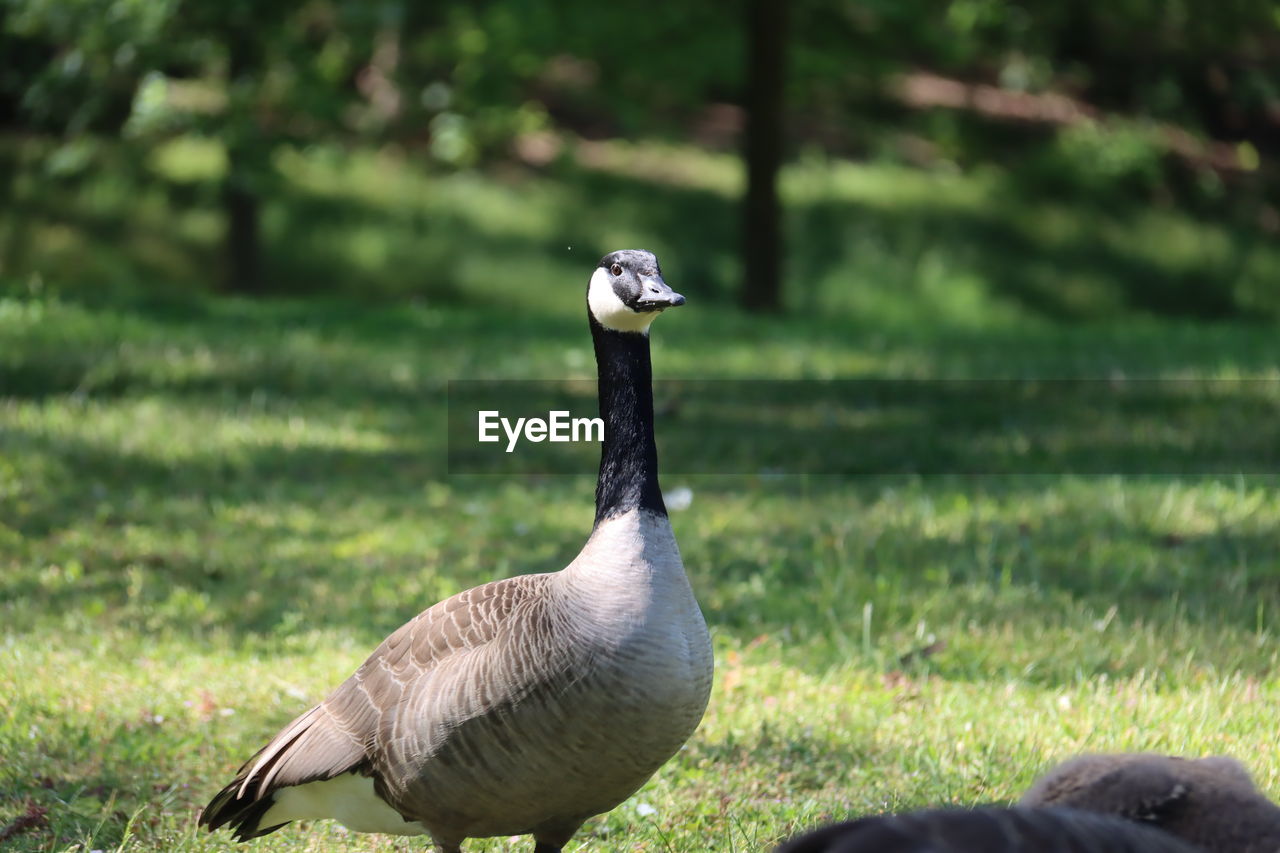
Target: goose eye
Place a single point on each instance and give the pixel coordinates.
(616, 269)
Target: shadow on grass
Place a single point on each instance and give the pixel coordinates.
(323, 236)
(926, 427)
(210, 528)
(205, 543)
(334, 348)
(115, 780)
(1060, 279)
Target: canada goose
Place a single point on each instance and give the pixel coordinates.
(527, 705)
(988, 830)
(1210, 802)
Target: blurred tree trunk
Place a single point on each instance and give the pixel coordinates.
(244, 257)
(762, 217)
(246, 160)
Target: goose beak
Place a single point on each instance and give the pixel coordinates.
(655, 295)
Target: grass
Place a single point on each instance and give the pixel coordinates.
(984, 249)
(211, 510)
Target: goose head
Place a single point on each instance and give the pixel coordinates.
(627, 291)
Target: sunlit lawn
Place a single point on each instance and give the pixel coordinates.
(211, 510)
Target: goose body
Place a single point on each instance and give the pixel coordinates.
(527, 705)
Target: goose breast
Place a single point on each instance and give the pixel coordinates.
(594, 678)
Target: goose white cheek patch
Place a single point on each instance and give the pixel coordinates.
(609, 310)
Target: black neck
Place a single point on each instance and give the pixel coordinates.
(629, 457)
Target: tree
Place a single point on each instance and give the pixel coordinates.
(762, 215)
(248, 158)
(266, 74)
(288, 73)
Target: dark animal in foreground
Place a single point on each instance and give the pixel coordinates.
(1210, 802)
(988, 830)
(1090, 804)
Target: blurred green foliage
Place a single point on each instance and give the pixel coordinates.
(1134, 108)
(868, 244)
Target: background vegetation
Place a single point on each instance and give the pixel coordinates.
(243, 247)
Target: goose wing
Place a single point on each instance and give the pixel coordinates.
(378, 711)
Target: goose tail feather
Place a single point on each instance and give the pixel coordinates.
(310, 748)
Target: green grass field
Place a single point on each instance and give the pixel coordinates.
(211, 510)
